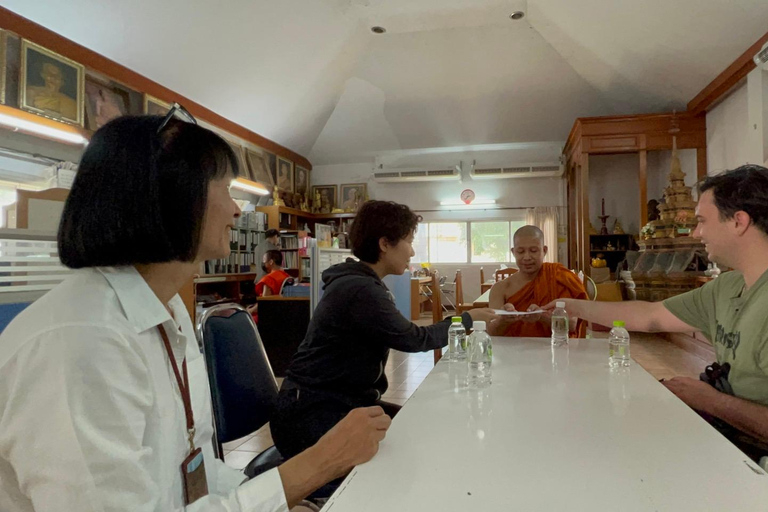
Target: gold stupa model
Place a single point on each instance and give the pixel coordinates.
(678, 217)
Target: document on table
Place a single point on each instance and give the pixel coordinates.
(503, 312)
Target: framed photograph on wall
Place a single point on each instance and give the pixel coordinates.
(302, 181)
(155, 107)
(324, 235)
(257, 167)
(10, 68)
(240, 155)
(284, 174)
(327, 194)
(352, 195)
(105, 100)
(51, 85)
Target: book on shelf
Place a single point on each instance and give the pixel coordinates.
(290, 259)
(289, 241)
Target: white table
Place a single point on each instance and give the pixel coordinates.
(556, 431)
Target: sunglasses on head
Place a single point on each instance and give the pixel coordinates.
(177, 112)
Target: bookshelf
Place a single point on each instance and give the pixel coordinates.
(620, 245)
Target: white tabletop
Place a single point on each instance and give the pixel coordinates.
(556, 431)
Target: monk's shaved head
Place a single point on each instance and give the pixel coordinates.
(529, 232)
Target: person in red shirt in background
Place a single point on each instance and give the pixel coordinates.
(270, 284)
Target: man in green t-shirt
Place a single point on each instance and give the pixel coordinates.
(731, 311)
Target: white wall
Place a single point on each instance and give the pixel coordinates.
(728, 133)
(614, 177)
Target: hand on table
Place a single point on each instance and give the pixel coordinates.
(697, 394)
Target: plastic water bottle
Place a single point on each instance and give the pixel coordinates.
(457, 340)
(479, 357)
(618, 345)
(559, 325)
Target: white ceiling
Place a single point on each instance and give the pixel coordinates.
(310, 75)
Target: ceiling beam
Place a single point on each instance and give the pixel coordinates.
(92, 60)
(725, 81)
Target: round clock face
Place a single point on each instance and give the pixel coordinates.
(467, 196)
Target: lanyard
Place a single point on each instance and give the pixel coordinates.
(183, 388)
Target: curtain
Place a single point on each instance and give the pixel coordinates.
(545, 218)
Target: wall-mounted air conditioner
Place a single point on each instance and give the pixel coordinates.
(526, 171)
(406, 175)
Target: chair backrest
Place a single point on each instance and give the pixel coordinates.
(286, 282)
(243, 387)
(503, 273)
(437, 309)
(591, 288)
(459, 289)
(482, 276)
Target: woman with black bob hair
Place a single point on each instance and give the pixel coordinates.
(104, 398)
(340, 363)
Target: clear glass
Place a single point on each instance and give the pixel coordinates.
(479, 360)
(559, 327)
(490, 242)
(457, 342)
(618, 348)
(447, 242)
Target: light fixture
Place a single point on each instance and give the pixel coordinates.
(250, 186)
(517, 15)
(378, 30)
(30, 127)
(457, 202)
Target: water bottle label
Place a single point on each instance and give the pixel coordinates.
(490, 351)
(464, 343)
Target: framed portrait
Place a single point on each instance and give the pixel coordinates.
(240, 155)
(327, 193)
(324, 235)
(284, 174)
(257, 167)
(301, 182)
(10, 68)
(104, 101)
(51, 85)
(352, 195)
(155, 107)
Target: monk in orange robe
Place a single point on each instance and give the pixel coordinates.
(270, 284)
(535, 284)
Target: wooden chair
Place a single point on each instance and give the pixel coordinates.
(460, 306)
(482, 278)
(503, 273)
(437, 309)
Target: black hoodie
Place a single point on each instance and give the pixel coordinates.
(352, 329)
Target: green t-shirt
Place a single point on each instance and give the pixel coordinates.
(736, 323)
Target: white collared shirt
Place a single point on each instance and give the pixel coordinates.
(91, 418)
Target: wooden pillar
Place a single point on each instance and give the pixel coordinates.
(583, 212)
(701, 163)
(642, 177)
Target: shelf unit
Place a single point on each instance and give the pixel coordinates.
(621, 243)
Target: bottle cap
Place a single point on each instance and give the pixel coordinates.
(560, 304)
(456, 319)
(478, 326)
(618, 323)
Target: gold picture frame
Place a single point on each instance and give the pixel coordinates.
(51, 85)
(284, 174)
(239, 152)
(3, 64)
(348, 203)
(258, 167)
(105, 100)
(301, 180)
(154, 106)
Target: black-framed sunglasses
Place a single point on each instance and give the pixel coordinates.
(177, 112)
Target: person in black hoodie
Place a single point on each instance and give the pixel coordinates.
(339, 365)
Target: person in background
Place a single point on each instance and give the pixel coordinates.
(535, 284)
(272, 282)
(104, 397)
(340, 363)
(730, 311)
(273, 240)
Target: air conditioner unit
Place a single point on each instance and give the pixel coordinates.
(761, 59)
(410, 175)
(527, 171)
(24, 168)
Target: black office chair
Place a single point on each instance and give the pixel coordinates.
(243, 387)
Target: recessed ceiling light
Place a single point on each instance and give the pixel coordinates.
(517, 15)
(378, 30)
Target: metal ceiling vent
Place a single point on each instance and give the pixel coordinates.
(524, 171)
(406, 175)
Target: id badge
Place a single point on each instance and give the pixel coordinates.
(193, 475)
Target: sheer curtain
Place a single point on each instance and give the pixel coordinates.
(545, 218)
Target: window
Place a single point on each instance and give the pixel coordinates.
(465, 242)
(448, 242)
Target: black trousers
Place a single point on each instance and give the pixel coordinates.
(302, 417)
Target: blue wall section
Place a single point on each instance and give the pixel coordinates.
(9, 311)
(400, 286)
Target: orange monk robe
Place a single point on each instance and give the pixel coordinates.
(553, 282)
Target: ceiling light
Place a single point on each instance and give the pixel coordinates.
(456, 202)
(517, 15)
(33, 128)
(250, 186)
(378, 30)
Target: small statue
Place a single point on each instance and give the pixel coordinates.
(653, 210)
(276, 197)
(617, 229)
(305, 204)
(317, 204)
(287, 198)
(297, 200)
(609, 247)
